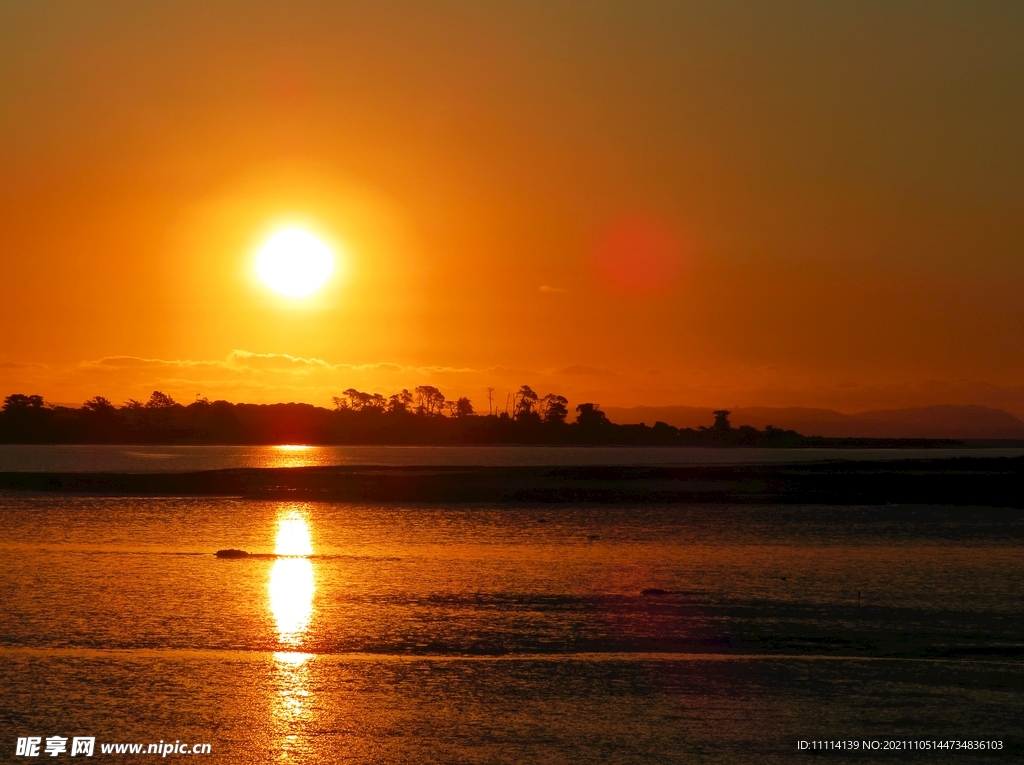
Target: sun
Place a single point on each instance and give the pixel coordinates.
(295, 263)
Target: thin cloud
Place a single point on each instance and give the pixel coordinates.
(136, 362)
(581, 370)
(22, 365)
(279, 361)
(242, 360)
(546, 288)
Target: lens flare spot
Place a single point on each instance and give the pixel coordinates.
(639, 255)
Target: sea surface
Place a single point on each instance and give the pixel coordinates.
(159, 459)
(508, 634)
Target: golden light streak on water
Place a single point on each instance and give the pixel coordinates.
(292, 587)
(293, 535)
(292, 584)
(291, 598)
(293, 455)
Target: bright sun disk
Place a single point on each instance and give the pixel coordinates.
(294, 263)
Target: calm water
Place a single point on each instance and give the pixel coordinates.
(508, 634)
(152, 459)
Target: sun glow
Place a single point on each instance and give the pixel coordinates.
(295, 263)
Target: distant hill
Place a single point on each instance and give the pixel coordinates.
(979, 422)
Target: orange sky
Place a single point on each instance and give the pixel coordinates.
(826, 198)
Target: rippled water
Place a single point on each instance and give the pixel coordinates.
(152, 459)
(507, 634)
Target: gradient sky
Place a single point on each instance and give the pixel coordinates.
(722, 204)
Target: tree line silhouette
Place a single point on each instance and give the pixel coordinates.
(421, 416)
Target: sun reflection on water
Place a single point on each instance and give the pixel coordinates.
(293, 535)
(291, 710)
(291, 589)
(291, 598)
(293, 693)
(294, 455)
(291, 584)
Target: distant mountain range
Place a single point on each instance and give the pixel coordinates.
(975, 422)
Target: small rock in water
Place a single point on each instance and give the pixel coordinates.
(232, 553)
(655, 591)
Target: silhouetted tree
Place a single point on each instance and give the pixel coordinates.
(159, 400)
(99, 405)
(590, 416)
(399, 403)
(554, 408)
(21, 402)
(100, 420)
(429, 400)
(524, 404)
(26, 418)
(360, 402)
(463, 407)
